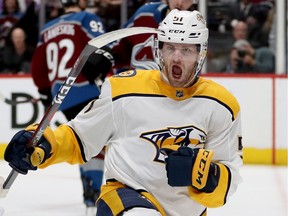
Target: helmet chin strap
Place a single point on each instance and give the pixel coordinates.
(163, 76)
(192, 81)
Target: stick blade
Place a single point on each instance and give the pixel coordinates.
(3, 192)
(109, 37)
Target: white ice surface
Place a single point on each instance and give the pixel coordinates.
(57, 191)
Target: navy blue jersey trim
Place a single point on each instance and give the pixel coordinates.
(204, 212)
(229, 183)
(80, 145)
(162, 96)
(137, 95)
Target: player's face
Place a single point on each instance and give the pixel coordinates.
(179, 63)
(180, 4)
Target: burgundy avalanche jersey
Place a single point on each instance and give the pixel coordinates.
(61, 42)
(137, 51)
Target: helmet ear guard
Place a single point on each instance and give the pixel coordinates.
(157, 53)
(184, 27)
(201, 57)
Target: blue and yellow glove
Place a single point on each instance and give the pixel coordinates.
(23, 158)
(191, 167)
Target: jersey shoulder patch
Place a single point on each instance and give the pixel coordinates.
(128, 73)
(133, 82)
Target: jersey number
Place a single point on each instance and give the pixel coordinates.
(56, 65)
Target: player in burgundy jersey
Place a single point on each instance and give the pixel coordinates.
(60, 43)
(138, 51)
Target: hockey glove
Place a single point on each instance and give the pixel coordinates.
(98, 65)
(191, 167)
(23, 158)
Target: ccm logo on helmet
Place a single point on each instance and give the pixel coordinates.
(176, 31)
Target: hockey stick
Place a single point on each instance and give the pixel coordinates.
(91, 47)
(14, 102)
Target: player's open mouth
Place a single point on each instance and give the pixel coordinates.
(176, 72)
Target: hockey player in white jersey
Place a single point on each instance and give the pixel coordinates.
(173, 138)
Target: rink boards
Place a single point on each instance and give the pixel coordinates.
(263, 101)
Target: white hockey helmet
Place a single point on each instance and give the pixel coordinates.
(185, 27)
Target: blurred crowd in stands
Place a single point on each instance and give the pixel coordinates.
(240, 36)
(241, 32)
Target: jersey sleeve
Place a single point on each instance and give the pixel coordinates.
(39, 69)
(94, 125)
(84, 136)
(226, 142)
(66, 148)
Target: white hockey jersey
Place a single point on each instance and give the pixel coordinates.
(137, 114)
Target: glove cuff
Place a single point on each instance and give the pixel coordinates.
(44, 149)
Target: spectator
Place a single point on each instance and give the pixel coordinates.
(259, 24)
(110, 11)
(10, 15)
(16, 57)
(258, 15)
(240, 30)
(218, 63)
(29, 22)
(83, 4)
(241, 9)
(245, 59)
(53, 10)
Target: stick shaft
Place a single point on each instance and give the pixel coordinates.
(92, 46)
(53, 108)
(10, 179)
